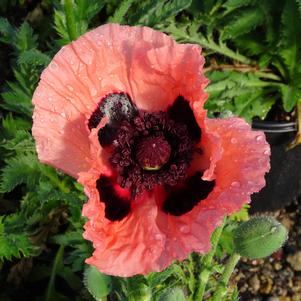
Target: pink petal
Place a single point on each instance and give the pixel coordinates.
(123, 248)
(146, 64)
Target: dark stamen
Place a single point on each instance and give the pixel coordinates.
(182, 200)
(116, 207)
(115, 106)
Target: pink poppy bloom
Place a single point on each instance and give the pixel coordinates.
(121, 110)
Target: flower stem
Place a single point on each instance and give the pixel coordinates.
(229, 268)
(56, 263)
(206, 264)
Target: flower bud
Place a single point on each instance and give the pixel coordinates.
(259, 237)
(172, 294)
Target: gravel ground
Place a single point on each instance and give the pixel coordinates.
(277, 278)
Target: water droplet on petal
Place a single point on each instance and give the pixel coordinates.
(53, 66)
(233, 140)
(235, 184)
(184, 229)
(259, 138)
(158, 237)
(63, 114)
(266, 152)
(70, 88)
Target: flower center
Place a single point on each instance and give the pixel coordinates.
(153, 152)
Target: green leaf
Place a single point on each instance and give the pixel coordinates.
(291, 95)
(234, 4)
(73, 17)
(34, 57)
(24, 38)
(120, 13)
(13, 244)
(21, 169)
(98, 284)
(7, 32)
(241, 94)
(151, 13)
(290, 49)
(246, 21)
(22, 142)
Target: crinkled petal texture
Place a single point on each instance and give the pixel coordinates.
(148, 239)
(146, 64)
(153, 70)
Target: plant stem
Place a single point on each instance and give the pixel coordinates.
(297, 140)
(229, 268)
(56, 263)
(207, 264)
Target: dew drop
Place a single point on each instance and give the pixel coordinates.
(70, 88)
(63, 114)
(259, 138)
(273, 229)
(53, 66)
(233, 140)
(184, 229)
(266, 152)
(235, 184)
(158, 237)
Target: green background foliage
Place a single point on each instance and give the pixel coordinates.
(253, 60)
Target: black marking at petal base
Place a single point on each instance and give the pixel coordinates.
(107, 135)
(116, 207)
(180, 111)
(182, 200)
(115, 106)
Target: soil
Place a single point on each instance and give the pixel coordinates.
(277, 278)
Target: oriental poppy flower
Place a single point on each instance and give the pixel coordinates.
(121, 110)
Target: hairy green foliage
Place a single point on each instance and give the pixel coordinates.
(152, 13)
(241, 94)
(14, 245)
(71, 18)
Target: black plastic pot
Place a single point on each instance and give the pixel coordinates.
(283, 182)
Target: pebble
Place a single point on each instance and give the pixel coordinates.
(272, 298)
(295, 261)
(255, 283)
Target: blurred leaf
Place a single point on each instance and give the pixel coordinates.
(98, 284)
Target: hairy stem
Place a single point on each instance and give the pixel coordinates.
(221, 289)
(206, 265)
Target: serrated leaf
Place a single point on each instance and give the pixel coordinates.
(21, 142)
(13, 244)
(7, 32)
(155, 12)
(290, 39)
(21, 169)
(291, 95)
(24, 38)
(34, 57)
(120, 13)
(243, 94)
(98, 284)
(72, 18)
(246, 21)
(234, 4)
